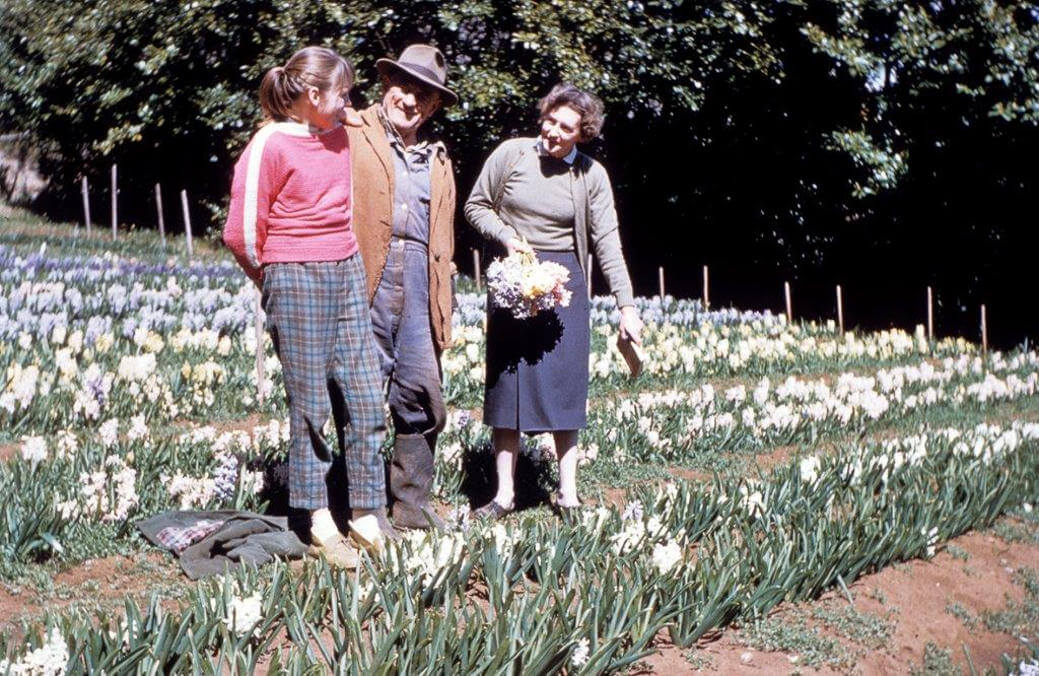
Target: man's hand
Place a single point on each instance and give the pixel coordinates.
(631, 325)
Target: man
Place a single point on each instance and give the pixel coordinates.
(403, 213)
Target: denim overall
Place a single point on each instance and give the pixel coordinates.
(403, 335)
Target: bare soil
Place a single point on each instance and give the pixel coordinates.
(914, 596)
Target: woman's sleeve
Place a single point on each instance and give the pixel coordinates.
(605, 235)
(252, 191)
(479, 208)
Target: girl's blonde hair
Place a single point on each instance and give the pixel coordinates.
(318, 67)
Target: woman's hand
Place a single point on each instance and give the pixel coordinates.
(631, 324)
(516, 245)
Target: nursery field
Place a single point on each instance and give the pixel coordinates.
(766, 497)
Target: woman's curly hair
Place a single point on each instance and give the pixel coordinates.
(587, 104)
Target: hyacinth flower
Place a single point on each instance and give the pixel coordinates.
(525, 286)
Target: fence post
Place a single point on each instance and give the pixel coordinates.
(158, 208)
(840, 310)
(187, 219)
(984, 333)
(930, 315)
(476, 269)
(85, 189)
(660, 279)
(115, 202)
(706, 290)
(789, 304)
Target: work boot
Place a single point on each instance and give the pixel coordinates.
(411, 480)
(328, 543)
(371, 529)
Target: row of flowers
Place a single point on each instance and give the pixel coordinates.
(97, 475)
(711, 427)
(69, 379)
(682, 423)
(75, 495)
(681, 557)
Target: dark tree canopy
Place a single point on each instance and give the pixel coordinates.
(879, 144)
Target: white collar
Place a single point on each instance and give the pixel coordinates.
(570, 156)
(293, 128)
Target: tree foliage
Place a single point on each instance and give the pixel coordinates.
(801, 136)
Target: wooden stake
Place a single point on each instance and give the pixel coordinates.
(258, 311)
(840, 310)
(930, 315)
(187, 219)
(476, 268)
(789, 305)
(158, 208)
(115, 202)
(984, 333)
(85, 189)
(588, 281)
(660, 277)
(706, 290)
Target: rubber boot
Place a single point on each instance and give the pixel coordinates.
(411, 480)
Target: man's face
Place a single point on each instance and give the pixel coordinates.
(408, 103)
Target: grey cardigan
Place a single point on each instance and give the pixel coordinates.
(595, 217)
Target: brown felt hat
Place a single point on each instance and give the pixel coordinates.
(424, 63)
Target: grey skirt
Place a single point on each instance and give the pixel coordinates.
(537, 368)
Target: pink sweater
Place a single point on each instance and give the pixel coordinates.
(291, 199)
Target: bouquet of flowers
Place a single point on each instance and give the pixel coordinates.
(525, 286)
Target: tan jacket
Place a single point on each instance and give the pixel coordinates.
(373, 176)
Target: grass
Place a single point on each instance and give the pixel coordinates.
(937, 662)
(866, 629)
(1018, 618)
(792, 634)
(699, 660)
(960, 612)
(1015, 531)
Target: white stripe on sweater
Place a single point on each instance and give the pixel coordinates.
(252, 189)
(252, 180)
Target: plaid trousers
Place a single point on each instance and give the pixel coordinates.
(317, 315)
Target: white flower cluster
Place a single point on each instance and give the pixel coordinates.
(666, 556)
(767, 413)
(50, 659)
(192, 492)
(242, 615)
(136, 368)
(20, 388)
(640, 533)
(580, 655)
(34, 450)
(525, 286)
(271, 435)
(465, 358)
(424, 554)
(721, 350)
(109, 494)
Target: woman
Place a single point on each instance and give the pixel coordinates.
(543, 193)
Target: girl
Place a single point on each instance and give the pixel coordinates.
(289, 227)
